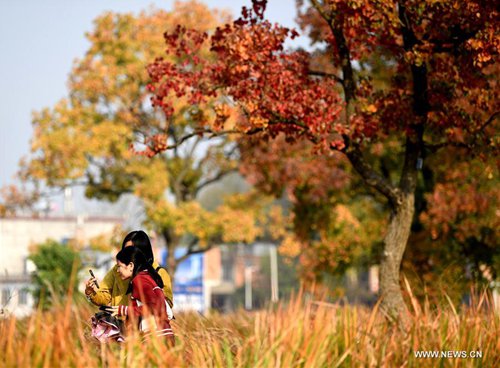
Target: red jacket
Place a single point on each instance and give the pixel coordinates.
(148, 305)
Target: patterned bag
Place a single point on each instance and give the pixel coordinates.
(107, 328)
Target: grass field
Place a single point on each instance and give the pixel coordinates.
(301, 333)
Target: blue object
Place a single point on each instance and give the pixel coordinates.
(188, 281)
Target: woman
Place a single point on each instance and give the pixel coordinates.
(112, 289)
(148, 305)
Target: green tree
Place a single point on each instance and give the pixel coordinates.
(57, 266)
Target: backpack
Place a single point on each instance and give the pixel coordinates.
(170, 303)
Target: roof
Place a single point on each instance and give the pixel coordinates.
(64, 218)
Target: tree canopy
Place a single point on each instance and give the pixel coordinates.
(57, 266)
(100, 135)
(438, 90)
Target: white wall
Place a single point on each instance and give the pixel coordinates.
(19, 299)
(18, 235)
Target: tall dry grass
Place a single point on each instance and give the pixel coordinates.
(300, 333)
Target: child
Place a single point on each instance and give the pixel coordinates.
(148, 302)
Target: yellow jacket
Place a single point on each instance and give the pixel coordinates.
(112, 289)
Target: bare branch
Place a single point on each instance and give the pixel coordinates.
(212, 134)
(327, 75)
(180, 195)
(193, 148)
(370, 176)
(214, 179)
(457, 38)
(419, 72)
(437, 146)
(348, 82)
(321, 11)
(488, 122)
(180, 141)
(434, 147)
(191, 250)
(171, 134)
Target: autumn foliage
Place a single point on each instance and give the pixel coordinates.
(419, 77)
(106, 137)
(383, 132)
(277, 90)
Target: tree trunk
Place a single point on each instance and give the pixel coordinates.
(399, 228)
(402, 202)
(395, 241)
(170, 241)
(171, 262)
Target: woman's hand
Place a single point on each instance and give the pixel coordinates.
(113, 310)
(90, 286)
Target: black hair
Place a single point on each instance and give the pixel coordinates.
(140, 240)
(128, 238)
(137, 257)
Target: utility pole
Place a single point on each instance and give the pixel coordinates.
(68, 201)
(273, 260)
(248, 287)
(248, 276)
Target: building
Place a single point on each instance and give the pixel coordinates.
(211, 280)
(19, 234)
(235, 267)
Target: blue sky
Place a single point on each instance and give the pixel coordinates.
(39, 40)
